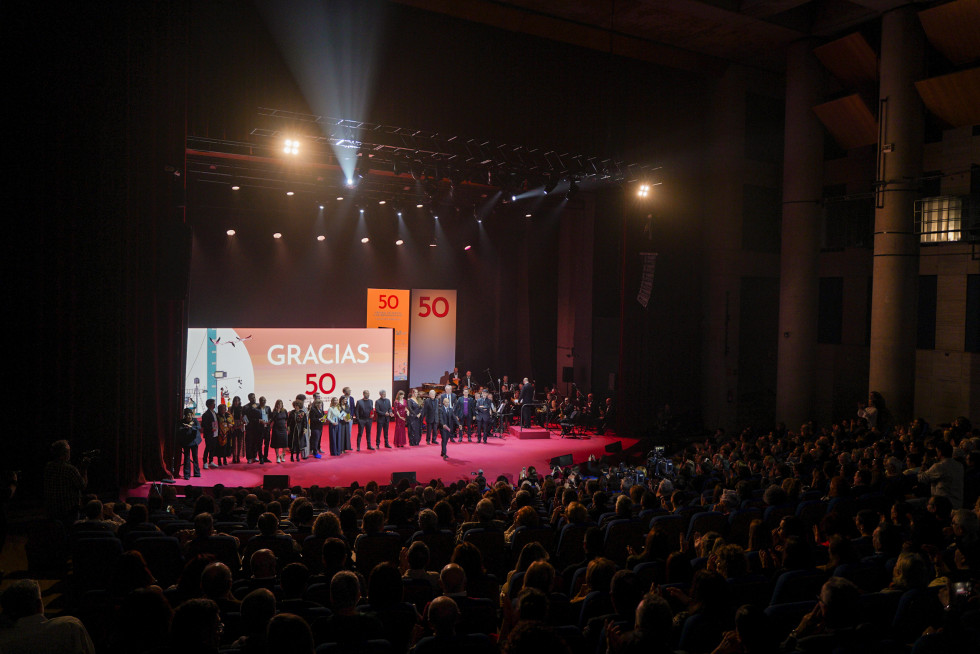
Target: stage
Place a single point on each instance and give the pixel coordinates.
(500, 456)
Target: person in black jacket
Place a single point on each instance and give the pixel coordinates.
(188, 438)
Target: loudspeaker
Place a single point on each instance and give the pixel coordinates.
(612, 448)
(398, 476)
(561, 461)
(567, 374)
(272, 482)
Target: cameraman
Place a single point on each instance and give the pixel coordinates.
(63, 484)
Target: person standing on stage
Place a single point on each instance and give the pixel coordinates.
(465, 412)
(453, 398)
(400, 413)
(430, 409)
(334, 418)
(527, 396)
(382, 418)
(263, 448)
(317, 420)
(280, 430)
(209, 428)
(447, 423)
(188, 438)
(237, 435)
(468, 381)
(253, 429)
(348, 405)
(363, 414)
(484, 409)
(296, 422)
(225, 423)
(414, 420)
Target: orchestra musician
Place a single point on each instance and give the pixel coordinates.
(526, 397)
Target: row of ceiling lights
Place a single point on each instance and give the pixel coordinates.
(321, 238)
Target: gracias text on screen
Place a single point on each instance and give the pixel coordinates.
(328, 353)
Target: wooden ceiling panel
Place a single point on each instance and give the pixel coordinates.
(849, 121)
(954, 30)
(850, 59)
(955, 97)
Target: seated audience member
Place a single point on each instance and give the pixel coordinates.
(286, 549)
(385, 601)
(143, 623)
(652, 622)
(289, 634)
(946, 476)
(196, 627)
(94, 519)
(910, 573)
(753, 633)
(216, 585)
(625, 594)
(263, 566)
(530, 553)
(258, 608)
(129, 573)
(137, 521)
(834, 616)
(347, 625)
(532, 637)
(478, 582)
(416, 559)
(483, 518)
(28, 631)
(443, 615)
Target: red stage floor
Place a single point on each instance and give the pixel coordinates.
(504, 456)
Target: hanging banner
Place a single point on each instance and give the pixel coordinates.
(433, 335)
(389, 307)
(281, 363)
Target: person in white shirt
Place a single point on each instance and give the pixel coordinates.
(945, 477)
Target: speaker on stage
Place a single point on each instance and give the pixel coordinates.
(272, 482)
(398, 476)
(612, 448)
(561, 461)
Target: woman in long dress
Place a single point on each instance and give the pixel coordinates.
(400, 407)
(296, 423)
(280, 430)
(414, 420)
(237, 434)
(333, 422)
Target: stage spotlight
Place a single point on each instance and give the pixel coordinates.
(277, 235)
(321, 207)
(418, 206)
(230, 232)
(339, 198)
(550, 185)
(350, 182)
(291, 147)
(527, 215)
(399, 242)
(644, 190)
(365, 239)
(382, 202)
(362, 210)
(432, 244)
(290, 193)
(513, 198)
(321, 237)
(468, 247)
(235, 187)
(435, 217)
(479, 220)
(399, 214)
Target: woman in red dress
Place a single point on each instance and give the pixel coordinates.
(400, 407)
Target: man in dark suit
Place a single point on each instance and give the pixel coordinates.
(209, 429)
(447, 422)
(382, 417)
(362, 412)
(254, 415)
(188, 438)
(429, 410)
(465, 412)
(453, 398)
(484, 414)
(527, 395)
(469, 382)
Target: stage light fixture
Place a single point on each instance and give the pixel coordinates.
(644, 191)
(235, 187)
(468, 248)
(362, 210)
(291, 147)
(365, 239)
(321, 207)
(382, 202)
(350, 182)
(513, 198)
(339, 198)
(277, 235)
(479, 220)
(550, 185)
(321, 237)
(432, 244)
(572, 189)
(527, 215)
(230, 232)
(290, 193)
(399, 242)
(399, 214)
(418, 206)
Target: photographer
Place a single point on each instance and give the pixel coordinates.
(63, 484)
